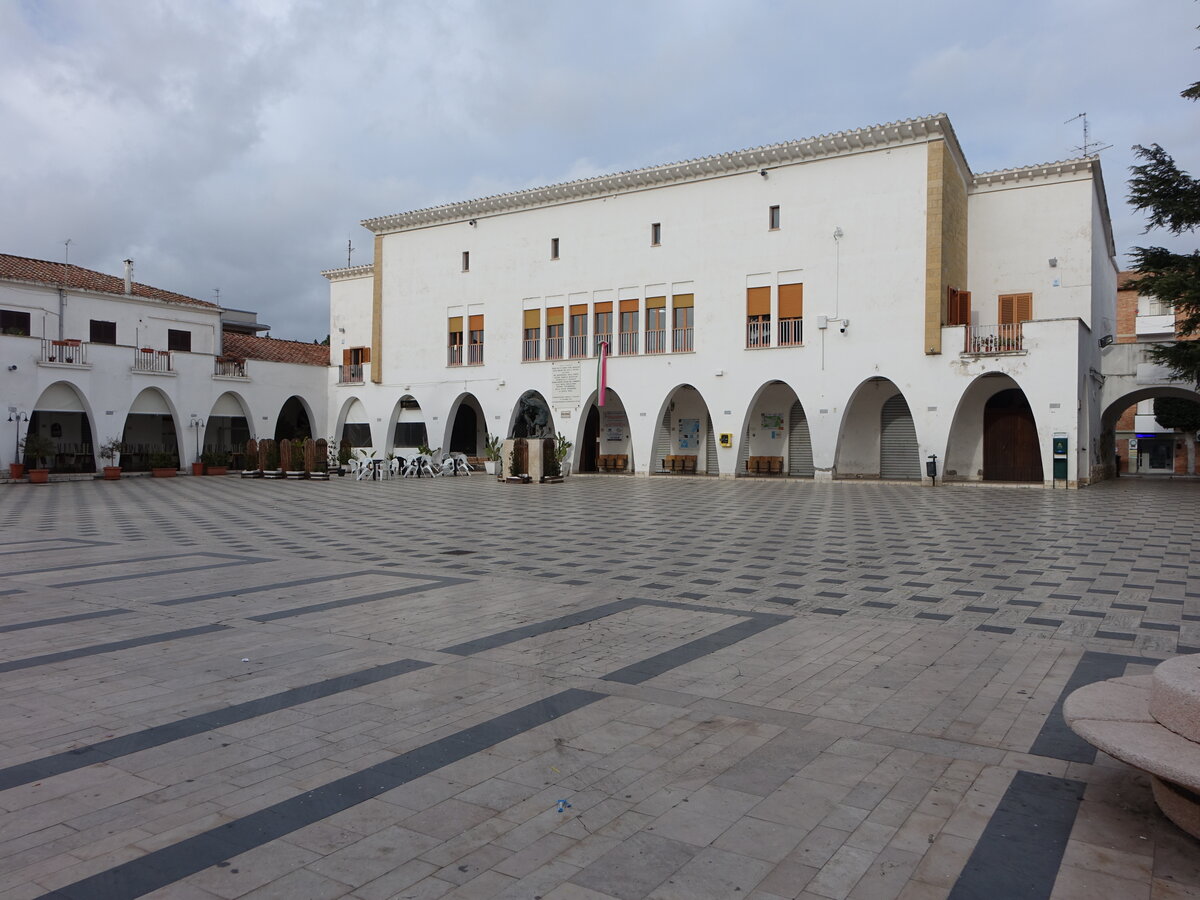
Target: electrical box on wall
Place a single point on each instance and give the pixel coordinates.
(822, 321)
(726, 439)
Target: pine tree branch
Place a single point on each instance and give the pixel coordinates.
(1171, 195)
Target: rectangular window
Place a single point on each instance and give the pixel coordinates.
(179, 340)
(454, 343)
(466, 260)
(1015, 308)
(682, 323)
(13, 322)
(958, 307)
(604, 324)
(656, 234)
(531, 344)
(579, 325)
(475, 337)
(773, 218)
(103, 332)
(410, 434)
(758, 317)
(352, 364)
(791, 315)
(627, 337)
(554, 332)
(554, 248)
(656, 324)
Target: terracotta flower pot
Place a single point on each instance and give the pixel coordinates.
(16, 471)
(164, 473)
(112, 473)
(216, 470)
(39, 476)
(197, 468)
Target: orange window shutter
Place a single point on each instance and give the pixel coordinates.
(455, 324)
(533, 318)
(964, 307)
(630, 305)
(683, 301)
(476, 323)
(605, 306)
(1023, 307)
(656, 302)
(579, 309)
(758, 301)
(366, 354)
(1006, 309)
(791, 301)
(346, 358)
(554, 315)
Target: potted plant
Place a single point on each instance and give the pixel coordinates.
(198, 466)
(111, 450)
(492, 451)
(164, 465)
(559, 449)
(295, 461)
(345, 451)
(216, 462)
(37, 449)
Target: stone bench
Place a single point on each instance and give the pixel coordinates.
(1151, 722)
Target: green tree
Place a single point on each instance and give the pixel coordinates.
(1175, 412)
(1172, 198)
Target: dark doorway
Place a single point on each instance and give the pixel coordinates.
(464, 438)
(590, 448)
(1010, 441)
(293, 421)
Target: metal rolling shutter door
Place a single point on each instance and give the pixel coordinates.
(743, 453)
(800, 458)
(898, 453)
(662, 442)
(712, 467)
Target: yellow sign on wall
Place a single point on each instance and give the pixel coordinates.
(726, 439)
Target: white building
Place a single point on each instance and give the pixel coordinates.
(86, 357)
(837, 307)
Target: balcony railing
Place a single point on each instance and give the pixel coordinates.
(578, 345)
(68, 352)
(147, 359)
(758, 334)
(454, 355)
(993, 339)
(791, 332)
(627, 343)
(531, 350)
(604, 337)
(681, 340)
(554, 348)
(229, 367)
(656, 341)
(475, 354)
(351, 374)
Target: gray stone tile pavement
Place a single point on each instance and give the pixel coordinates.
(828, 689)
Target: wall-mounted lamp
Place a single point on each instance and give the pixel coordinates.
(1053, 262)
(762, 172)
(1105, 341)
(719, 372)
(837, 232)
(12, 368)
(472, 222)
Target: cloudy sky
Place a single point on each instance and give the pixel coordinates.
(237, 145)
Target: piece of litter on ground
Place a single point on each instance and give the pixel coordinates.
(245, 659)
(563, 805)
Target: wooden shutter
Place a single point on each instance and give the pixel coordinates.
(533, 318)
(1015, 308)
(365, 355)
(476, 323)
(455, 324)
(791, 301)
(346, 357)
(579, 309)
(656, 302)
(758, 301)
(958, 307)
(683, 301)
(630, 305)
(604, 306)
(554, 315)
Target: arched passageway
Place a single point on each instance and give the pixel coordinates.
(61, 416)
(775, 439)
(355, 427)
(409, 432)
(467, 432)
(295, 420)
(878, 437)
(605, 443)
(994, 434)
(227, 428)
(684, 442)
(150, 438)
(1136, 443)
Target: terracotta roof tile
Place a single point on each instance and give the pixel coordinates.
(41, 271)
(247, 346)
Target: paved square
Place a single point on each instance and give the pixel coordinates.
(611, 688)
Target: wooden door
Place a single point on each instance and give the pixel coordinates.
(1010, 441)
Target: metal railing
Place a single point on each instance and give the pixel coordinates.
(351, 374)
(230, 367)
(791, 332)
(475, 354)
(147, 359)
(454, 355)
(69, 352)
(531, 350)
(604, 337)
(578, 345)
(627, 343)
(681, 340)
(992, 339)
(758, 334)
(554, 348)
(656, 341)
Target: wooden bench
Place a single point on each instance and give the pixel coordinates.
(685, 463)
(764, 465)
(612, 462)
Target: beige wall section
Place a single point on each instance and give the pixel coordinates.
(945, 238)
(377, 315)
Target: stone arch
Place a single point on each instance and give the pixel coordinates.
(407, 429)
(63, 414)
(965, 445)
(775, 427)
(863, 448)
(229, 424)
(684, 429)
(531, 417)
(353, 424)
(1119, 455)
(466, 427)
(597, 433)
(151, 428)
(295, 419)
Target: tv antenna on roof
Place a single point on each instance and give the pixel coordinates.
(1089, 147)
(349, 249)
(217, 296)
